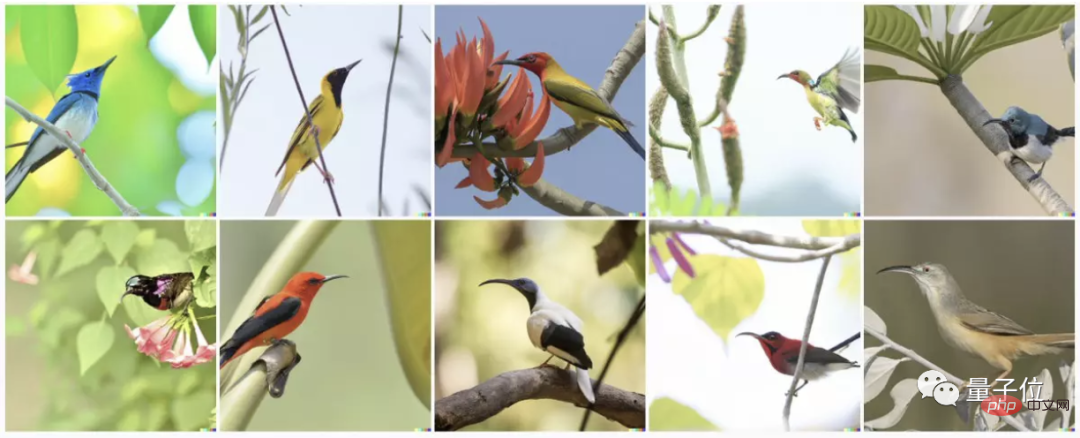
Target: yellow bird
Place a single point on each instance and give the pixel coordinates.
(326, 114)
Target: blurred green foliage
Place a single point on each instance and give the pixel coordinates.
(353, 376)
(679, 203)
(480, 332)
(670, 415)
(70, 363)
(135, 143)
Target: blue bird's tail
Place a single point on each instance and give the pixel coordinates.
(14, 178)
(630, 140)
(1067, 132)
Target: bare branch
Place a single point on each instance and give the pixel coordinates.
(386, 113)
(562, 202)
(99, 181)
(805, 342)
(487, 399)
(619, 341)
(994, 138)
(848, 243)
(755, 237)
(564, 138)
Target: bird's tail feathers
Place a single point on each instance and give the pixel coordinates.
(279, 198)
(1067, 132)
(585, 383)
(630, 140)
(227, 352)
(14, 178)
(1047, 344)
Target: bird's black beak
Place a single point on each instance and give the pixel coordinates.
(1003, 123)
(124, 295)
(754, 335)
(330, 278)
(350, 66)
(508, 62)
(785, 75)
(901, 269)
(106, 64)
(500, 281)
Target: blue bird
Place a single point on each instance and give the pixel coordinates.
(1030, 137)
(75, 113)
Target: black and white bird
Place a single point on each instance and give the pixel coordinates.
(555, 330)
(1030, 137)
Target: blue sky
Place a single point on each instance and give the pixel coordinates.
(601, 168)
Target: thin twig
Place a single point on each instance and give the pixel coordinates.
(754, 237)
(386, 113)
(311, 123)
(99, 181)
(849, 242)
(805, 342)
(15, 145)
(623, 335)
(930, 365)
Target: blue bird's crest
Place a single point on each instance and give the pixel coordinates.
(89, 80)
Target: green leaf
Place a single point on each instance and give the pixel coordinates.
(204, 24)
(152, 18)
(111, 285)
(56, 323)
(119, 237)
(636, 258)
(201, 234)
(830, 228)
(163, 257)
(82, 249)
(1016, 24)
(683, 205)
(14, 326)
(875, 73)
(140, 313)
(403, 248)
(48, 252)
(725, 291)
(50, 41)
(888, 29)
(146, 238)
(93, 341)
(32, 234)
(189, 412)
(666, 414)
(661, 199)
(11, 17)
(851, 273)
(206, 294)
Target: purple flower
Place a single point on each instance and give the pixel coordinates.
(677, 247)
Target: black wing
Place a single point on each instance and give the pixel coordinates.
(568, 340)
(819, 355)
(256, 325)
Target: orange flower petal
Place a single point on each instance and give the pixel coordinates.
(512, 101)
(444, 84)
(536, 124)
(475, 76)
(464, 183)
(487, 44)
(451, 138)
(495, 71)
(492, 204)
(531, 175)
(515, 164)
(478, 172)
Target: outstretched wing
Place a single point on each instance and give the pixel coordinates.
(842, 82)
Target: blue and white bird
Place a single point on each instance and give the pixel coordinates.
(75, 114)
(1031, 138)
(555, 330)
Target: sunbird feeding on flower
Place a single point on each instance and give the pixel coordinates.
(1030, 137)
(834, 91)
(276, 316)
(326, 114)
(75, 114)
(576, 98)
(162, 292)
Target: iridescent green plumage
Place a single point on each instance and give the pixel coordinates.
(836, 90)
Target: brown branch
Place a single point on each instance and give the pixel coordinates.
(564, 138)
(564, 203)
(487, 399)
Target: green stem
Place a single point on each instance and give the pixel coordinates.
(678, 48)
(386, 113)
(243, 400)
(710, 15)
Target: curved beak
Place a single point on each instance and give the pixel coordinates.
(499, 281)
(1003, 123)
(124, 295)
(754, 335)
(785, 75)
(350, 66)
(903, 269)
(330, 278)
(106, 64)
(508, 62)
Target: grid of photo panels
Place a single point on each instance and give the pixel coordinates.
(846, 217)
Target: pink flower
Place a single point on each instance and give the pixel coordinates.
(22, 274)
(168, 339)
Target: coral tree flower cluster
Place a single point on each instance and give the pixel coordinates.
(473, 103)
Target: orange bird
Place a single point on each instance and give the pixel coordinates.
(276, 316)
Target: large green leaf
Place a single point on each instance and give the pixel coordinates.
(48, 251)
(666, 414)
(153, 17)
(82, 249)
(93, 341)
(890, 27)
(404, 249)
(111, 285)
(119, 237)
(725, 291)
(204, 24)
(50, 41)
(1015, 24)
(163, 257)
(875, 73)
(201, 233)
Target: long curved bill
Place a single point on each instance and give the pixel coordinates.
(904, 269)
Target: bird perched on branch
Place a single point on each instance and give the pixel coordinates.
(327, 115)
(783, 355)
(576, 98)
(969, 327)
(162, 292)
(76, 114)
(834, 91)
(1031, 138)
(555, 330)
(276, 316)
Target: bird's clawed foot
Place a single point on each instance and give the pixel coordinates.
(817, 122)
(327, 176)
(546, 361)
(1038, 174)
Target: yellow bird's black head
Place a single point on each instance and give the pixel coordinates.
(336, 81)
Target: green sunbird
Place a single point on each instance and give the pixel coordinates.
(834, 91)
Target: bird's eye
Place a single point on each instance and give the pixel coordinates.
(532, 58)
(313, 281)
(926, 269)
(87, 74)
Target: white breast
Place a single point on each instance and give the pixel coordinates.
(77, 122)
(1034, 151)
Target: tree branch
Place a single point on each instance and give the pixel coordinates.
(619, 341)
(994, 138)
(487, 399)
(268, 375)
(849, 242)
(99, 181)
(805, 342)
(755, 237)
(564, 138)
(307, 113)
(930, 365)
(386, 113)
(562, 202)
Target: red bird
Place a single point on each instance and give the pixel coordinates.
(783, 354)
(276, 316)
